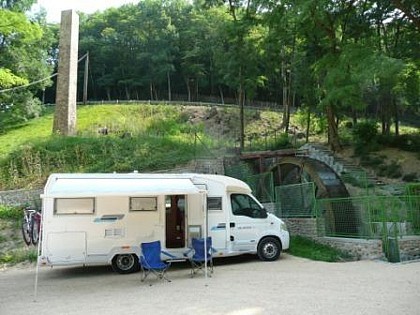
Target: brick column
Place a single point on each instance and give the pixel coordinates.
(65, 111)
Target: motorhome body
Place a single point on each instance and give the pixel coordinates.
(99, 219)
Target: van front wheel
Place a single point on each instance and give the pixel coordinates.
(269, 249)
(125, 263)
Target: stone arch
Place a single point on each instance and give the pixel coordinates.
(340, 218)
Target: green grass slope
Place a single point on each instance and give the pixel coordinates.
(140, 137)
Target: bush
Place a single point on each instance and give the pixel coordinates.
(392, 170)
(406, 142)
(318, 123)
(10, 213)
(411, 177)
(18, 255)
(282, 142)
(365, 132)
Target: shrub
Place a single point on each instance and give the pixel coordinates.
(318, 123)
(10, 213)
(18, 255)
(365, 132)
(411, 177)
(406, 142)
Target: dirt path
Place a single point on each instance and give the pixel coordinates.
(240, 286)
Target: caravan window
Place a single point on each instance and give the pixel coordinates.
(143, 204)
(244, 205)
(74, 205)
(214, 203)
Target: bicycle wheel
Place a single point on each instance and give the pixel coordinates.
(35, 230)
(26, 232)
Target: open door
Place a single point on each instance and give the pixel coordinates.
(175, 221)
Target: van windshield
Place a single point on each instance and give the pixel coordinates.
(244, 205)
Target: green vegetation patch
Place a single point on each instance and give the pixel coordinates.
(10, 213)
(137, 137)
(304, 247)
(18, 255)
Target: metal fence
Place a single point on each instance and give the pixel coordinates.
(358, 178)
(293, 201)
(370, 217)
(261, 184)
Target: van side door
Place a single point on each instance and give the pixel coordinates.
(247, 222)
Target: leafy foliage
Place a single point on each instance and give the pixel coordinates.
(24, 50)
(365, 132)
(10, 213)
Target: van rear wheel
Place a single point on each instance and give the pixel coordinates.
(125, 263)
(269, 249)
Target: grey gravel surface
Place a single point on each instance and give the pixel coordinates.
(239, 286)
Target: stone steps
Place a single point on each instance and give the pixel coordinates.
(339, 165)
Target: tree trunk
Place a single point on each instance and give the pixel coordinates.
(187, 83)
(169, 86)
(221, 95)
(151, 90)
(127, 93)
(286, 109)
(397, 118)
(308, 124)
(241, 117)
(333, 138)
(155, 93)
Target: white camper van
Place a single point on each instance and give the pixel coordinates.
(100, 219)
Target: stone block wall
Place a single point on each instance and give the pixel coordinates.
(302, 226)
(21, 197)
(357, 248)
(409, 247)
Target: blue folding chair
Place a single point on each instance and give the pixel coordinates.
(151, 262)
(197, 257)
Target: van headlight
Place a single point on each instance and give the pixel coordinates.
(283, 226)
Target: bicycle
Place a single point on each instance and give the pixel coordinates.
(31, 226)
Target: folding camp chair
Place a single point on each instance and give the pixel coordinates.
(197, 257)
(151, 262)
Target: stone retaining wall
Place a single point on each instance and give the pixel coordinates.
(302, 226)
(409, 247)
(21, 197)
(357, 248)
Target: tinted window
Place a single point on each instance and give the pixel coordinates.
(214, 203)
(244, 205)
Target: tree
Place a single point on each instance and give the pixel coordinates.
(239, 59)
(24, 58)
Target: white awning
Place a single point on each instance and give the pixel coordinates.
(93, 187)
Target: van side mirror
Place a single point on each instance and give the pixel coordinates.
(264, 213)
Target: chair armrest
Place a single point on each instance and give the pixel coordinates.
(187, 253)
(168, 254)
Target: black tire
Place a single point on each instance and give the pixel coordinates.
(125, 263)
(269, 249)
(35, 231)
(26, 233)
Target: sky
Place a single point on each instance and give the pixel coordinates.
(54, 7)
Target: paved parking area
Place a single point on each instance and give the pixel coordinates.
(239, 286)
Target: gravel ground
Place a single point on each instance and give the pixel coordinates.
(239, 286)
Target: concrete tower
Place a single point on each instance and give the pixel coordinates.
(65, 111)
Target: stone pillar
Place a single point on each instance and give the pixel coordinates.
(65, 101)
